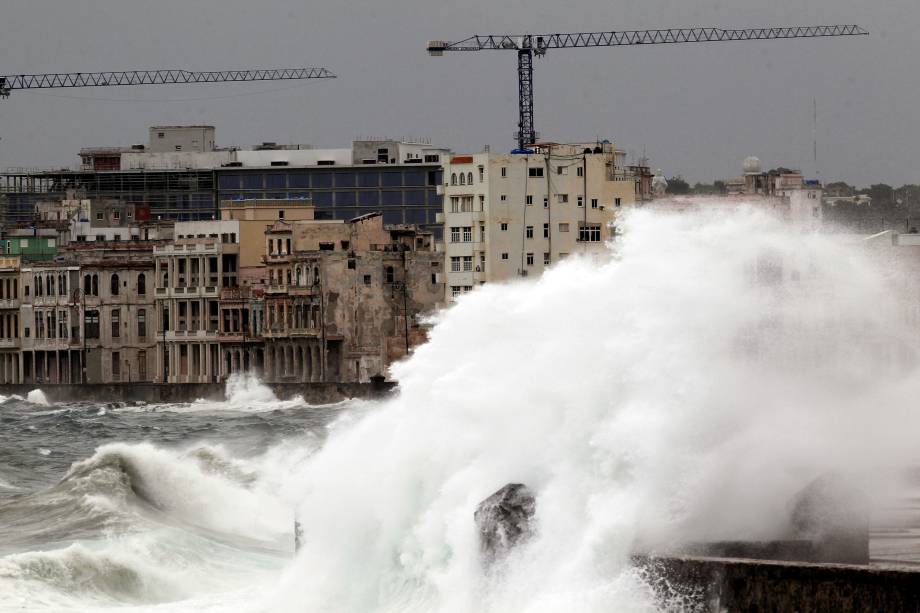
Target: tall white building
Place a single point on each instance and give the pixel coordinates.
(514, 215)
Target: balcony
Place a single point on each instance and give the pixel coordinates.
(9, 343)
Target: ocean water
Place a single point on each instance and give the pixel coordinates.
(683, 388)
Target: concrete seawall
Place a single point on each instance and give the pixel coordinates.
(723, 585)
(313, 393)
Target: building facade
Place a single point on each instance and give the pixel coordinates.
(514, 215)
(344, 299)
(191, 271)
(10, 342)
(397, 178)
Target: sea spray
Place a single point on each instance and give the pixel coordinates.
(38, 397)
(683, 391)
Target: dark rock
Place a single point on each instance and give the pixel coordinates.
(504, 520)
(834, 515)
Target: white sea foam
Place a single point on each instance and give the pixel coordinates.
(37, 397)
(683, 391)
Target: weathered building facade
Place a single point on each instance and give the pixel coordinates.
(514, 215)
(10, 343)
(190, 274)
(343, 298)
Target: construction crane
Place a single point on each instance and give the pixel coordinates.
(153, 77)
(530, 45)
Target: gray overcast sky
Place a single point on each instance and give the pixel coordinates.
(696, 110)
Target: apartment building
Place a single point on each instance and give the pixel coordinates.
(10, 343)
(344, 298)
(50, 318)
(190, 273)
(514, 215)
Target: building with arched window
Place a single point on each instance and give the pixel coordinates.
(345, 300)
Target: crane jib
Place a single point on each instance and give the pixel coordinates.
(154, 77)
(529, 45)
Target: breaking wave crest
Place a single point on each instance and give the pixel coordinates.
(682, 391)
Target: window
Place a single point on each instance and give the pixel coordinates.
(23, 243)
(534, 173)
(462, 179)
(545, 202)
(562, 198)
(593, 203)
(466, 204)
(116, 323)
(467, 263)
(390, 275)
(100, 238)
(529, 200)
(142, 323)
(432, 159)
(589, 233)
(116, 215)
(116, 361)
(95, 291)
(529, 231)
(367, 279)
(482, 233)
(562, 170)
(91, 324)
(504, 197)
(581, 171)
(99, 216)
(142, 365)
(454, 291)
(468, 234)
(504, 256)
(546, 258)
(469, 178)
(453, 178)
(563, 227)
(482, 174)
(280, 214)
(581, 201)
(504, 171)
(454, 204)
(617, 201)
(504, 227)
(115, 285)
(546, 230)
(142, 284)
(455, 234)
(455, 264)
(482, 203)
(530, 259)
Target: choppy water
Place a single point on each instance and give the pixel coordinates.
(113, 504)
(683, 390)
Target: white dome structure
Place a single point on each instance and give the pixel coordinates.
(752, 166)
